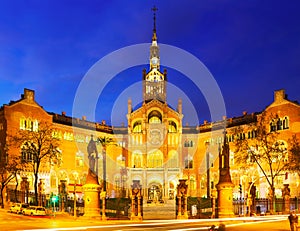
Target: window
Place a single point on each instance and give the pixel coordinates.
(53, 180)
(57, 134)
(68, 136)
(285, 122)
(58, 159)
(154, 120)
(155, 117)
(279, 124)
(192, 183)
(188, 162)
(27, 152)
(231, 158)
(188, 143)
(230, 138)
(137, 159)
(155, 159)
(273, 126)
(117, 182)
(172, 159)
(280, 151)
(172, 127)
(241, 136)
(79, 159)
(79, 138)
(29, 124)
(137, 127)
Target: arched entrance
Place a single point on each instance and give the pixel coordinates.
(155, 194)
(158, 206)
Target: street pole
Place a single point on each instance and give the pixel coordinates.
(104, 185)
(207, 171)
(75, 215)
(104, 169)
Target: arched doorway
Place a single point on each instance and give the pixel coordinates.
(155, 194)
(157, 206)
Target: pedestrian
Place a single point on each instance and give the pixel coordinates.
(293, 219)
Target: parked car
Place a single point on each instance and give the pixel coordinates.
(35, 211)
(18, 208)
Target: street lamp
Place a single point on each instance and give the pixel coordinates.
(207, 170)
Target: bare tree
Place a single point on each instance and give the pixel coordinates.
(294, 154)
(263, 148)
(38, 149)
(10, 166)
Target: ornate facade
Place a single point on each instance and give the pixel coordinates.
(155, 147)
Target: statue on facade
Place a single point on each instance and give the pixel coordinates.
(92, 155)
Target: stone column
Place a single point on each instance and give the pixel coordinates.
(286, 195)
(24, 189)
(103, 198)
(63, 193)
(136, 201)
(91, 196)
(213, 202)
(41, 189)
(225, 200)
(182, 200)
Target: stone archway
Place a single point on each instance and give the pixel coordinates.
(156, 206)
(155, 193)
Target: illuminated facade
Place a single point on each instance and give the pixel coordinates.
(155, 147)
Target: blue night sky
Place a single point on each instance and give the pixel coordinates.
(251, 48)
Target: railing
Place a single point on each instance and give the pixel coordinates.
(263, 206)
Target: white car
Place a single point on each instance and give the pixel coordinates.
(35, 211)
(18, 208)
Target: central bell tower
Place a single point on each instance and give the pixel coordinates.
(154, 82)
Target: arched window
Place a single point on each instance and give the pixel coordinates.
(154, 117)
(272, 126)
(137, 127)
(279, 124)
(155, 159)
(172, 159)
(29, 124)
(172, 127)
(192, 182)
(27, 154)
(79, 159)
(285, 122)
(137, 159)
(188, 143)
(188, 162)
(280, 151)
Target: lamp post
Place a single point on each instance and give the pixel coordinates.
(75, 208)
(207, 171)
(104, 168)
(103, 193)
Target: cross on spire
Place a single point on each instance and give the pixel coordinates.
(154, 9)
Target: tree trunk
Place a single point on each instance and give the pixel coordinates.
(16, 189)
(35, 189)
(1, 197)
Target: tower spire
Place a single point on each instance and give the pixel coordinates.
(154, 37)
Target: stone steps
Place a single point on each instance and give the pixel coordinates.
(159, 210)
